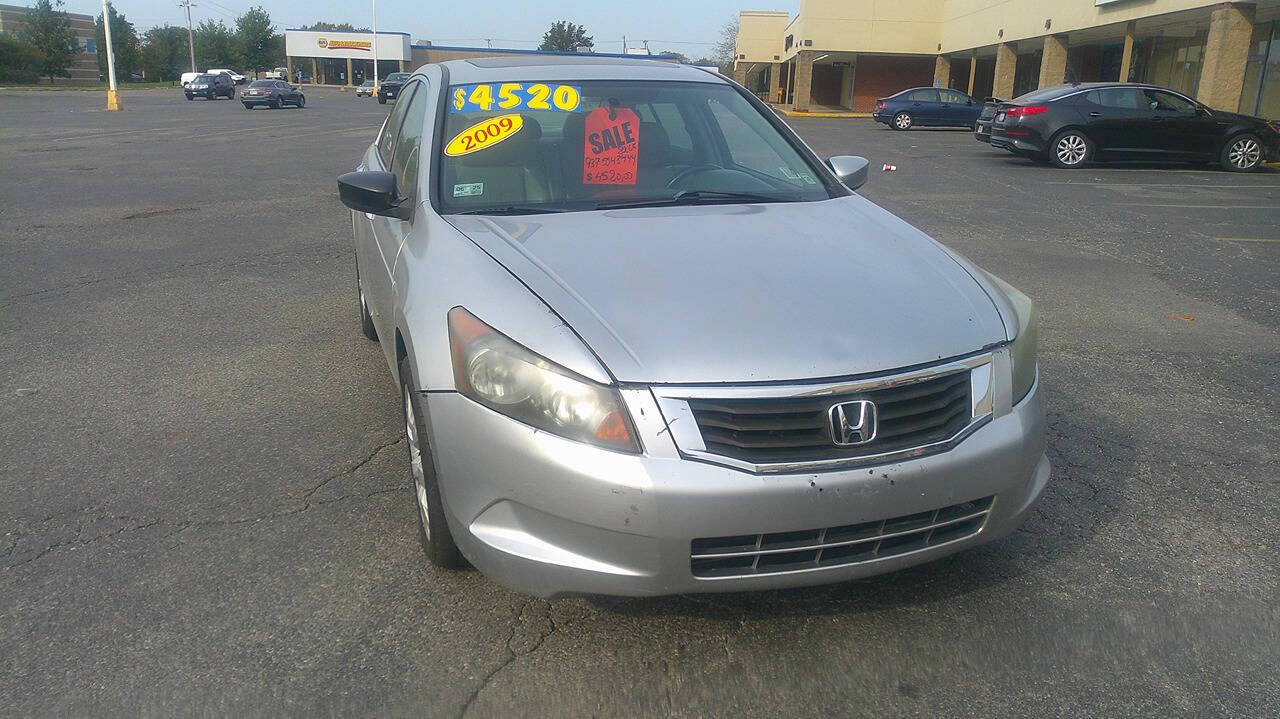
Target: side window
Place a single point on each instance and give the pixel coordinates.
(1120, 98)
(1167, 102)
(953, 97)
(409, 143)
(387, 143)
(923, 96)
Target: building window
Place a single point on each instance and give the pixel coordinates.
(1260, 95)
(808, 43)
(791, 39)
(1176, 62)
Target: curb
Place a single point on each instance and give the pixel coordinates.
(831, 115)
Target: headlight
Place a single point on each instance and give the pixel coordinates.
(1023, 351)
(493, 370)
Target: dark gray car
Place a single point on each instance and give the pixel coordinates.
(273, 94)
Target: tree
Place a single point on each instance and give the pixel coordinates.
(334, 27)
(215, 45)
(49, 30)
(565, 36)
(260, 45)
(124, 42)
(725, 51)
(19, 61)
(164, 52)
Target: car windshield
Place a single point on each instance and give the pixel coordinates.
(262, 83)
(202, 78)
(397, 77)
(551, 147)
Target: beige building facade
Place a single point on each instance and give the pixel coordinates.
(84, 67)
(842, 55)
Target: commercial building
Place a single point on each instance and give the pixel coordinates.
(346, 58)
(843, 54)
(84, 68)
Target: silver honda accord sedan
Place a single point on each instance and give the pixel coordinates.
(648, 343)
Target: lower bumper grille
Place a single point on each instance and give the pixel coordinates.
(755, 554)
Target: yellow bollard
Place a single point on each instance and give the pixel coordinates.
(113, 100)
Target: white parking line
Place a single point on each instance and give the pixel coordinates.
(1200, 207)
(1276, 186)
(1248, 239)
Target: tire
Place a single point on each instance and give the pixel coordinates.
(247, 106)
(433, 529)
(301, 103)
(190, 97)
(1070, 149)
(274, 104)
(902, 121)
(1242, 153)
(382, 99)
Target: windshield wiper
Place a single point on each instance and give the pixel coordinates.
(694, 197)
(510, 210)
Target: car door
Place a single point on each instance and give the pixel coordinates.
(1182, 129)
(371, 230)
(1117, 122)
(924, 106)
(958, 109)
(389, 232)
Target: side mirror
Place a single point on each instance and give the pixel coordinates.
(851, 169)
(373, 192)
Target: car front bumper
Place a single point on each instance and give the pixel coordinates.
(552, 517)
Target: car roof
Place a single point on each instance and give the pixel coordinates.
(571, 66)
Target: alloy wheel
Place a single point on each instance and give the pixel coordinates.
(415, 462)
(1071, 149)
(902, 121)
(1245, 153)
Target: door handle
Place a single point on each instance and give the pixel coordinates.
(1095, 114)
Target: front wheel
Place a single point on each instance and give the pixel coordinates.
(247, 106)
(1242, 153)
(190, 97)
(433, 531)
(302, 102)
(902, 121)
(1070, 149)
(275, 104)
(382, 99)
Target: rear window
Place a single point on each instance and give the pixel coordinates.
(262, 83)
(1046, 95)
(576, 145)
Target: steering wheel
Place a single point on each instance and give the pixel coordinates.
(691, 171)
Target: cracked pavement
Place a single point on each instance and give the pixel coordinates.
(207, 509)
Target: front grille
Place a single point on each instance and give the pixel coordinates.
(753, 554)
(798, 429)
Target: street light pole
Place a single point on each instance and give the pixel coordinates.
(191, 39)
(375, 47)
(113, 95)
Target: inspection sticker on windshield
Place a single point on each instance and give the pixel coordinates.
(611, 153)
(468, 189)
(515, 95)
(484, 134)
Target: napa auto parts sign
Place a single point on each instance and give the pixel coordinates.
(359, 45)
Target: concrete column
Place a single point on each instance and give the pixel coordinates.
(973, 72)
(1053, 62)
(1226, 53)
(315, 79)
(402, 66)
(349, 71)
(941, 71)
(803, 82)
(1006, 65)
(740, 73)
(1126, 60)
(288, 63)
(846, 87)
(775, 82)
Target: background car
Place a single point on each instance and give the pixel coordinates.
(211, 87)
(982, 128)
(390, 87)
(927, 106)
(273, 94)
(238, 78)
(365, 89)
(1071, 125)
(186, 78)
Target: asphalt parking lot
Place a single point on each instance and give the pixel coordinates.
(206, 508)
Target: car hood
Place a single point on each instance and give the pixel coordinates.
(746, 293)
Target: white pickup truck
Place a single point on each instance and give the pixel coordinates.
(279, 73)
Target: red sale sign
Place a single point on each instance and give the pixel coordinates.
(612, 149)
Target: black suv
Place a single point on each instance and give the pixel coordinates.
(211, 87)
(389, 89)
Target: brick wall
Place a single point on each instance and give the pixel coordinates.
(879, 76)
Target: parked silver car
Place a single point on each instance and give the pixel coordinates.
(648, 343)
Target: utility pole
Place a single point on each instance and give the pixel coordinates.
(191, 38)
(113, 96)
(624, 44)
(375, 48)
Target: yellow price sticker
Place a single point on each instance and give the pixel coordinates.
(484, 134)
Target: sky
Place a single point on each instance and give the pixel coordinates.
(686, 26)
